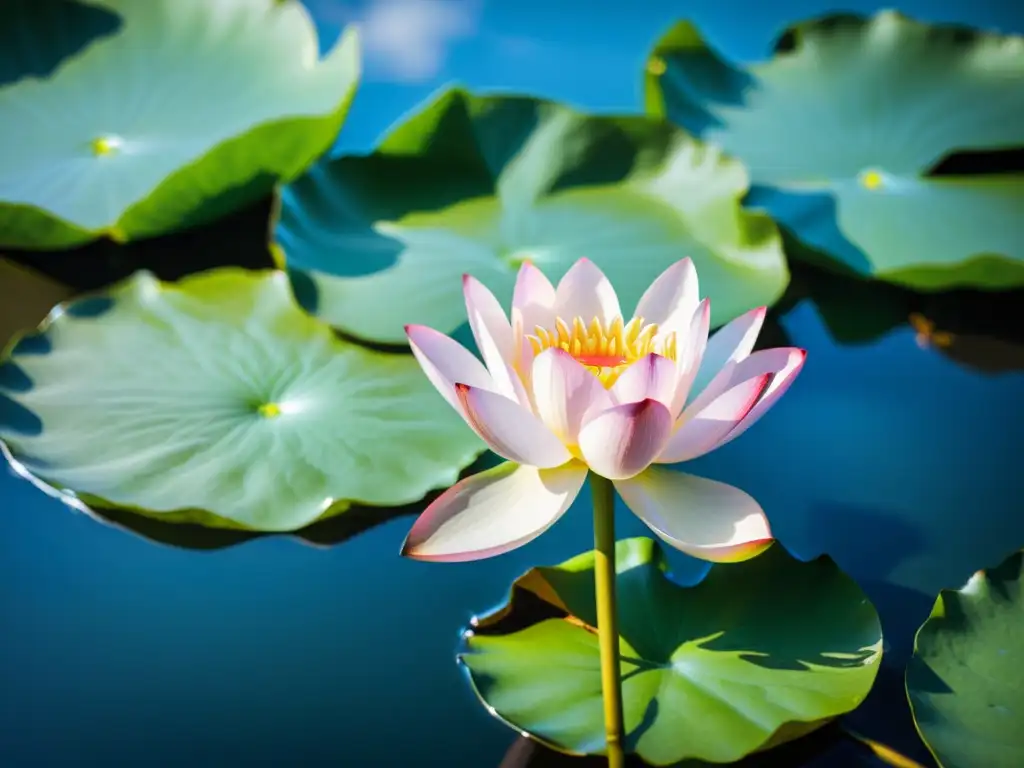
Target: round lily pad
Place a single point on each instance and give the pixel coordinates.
(475, 184)
(843, 128)
(218, 400)
(964, 680)
(182, 532)
(757, 651)
(188, 109)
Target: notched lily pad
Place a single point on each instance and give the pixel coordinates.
(188, 110)
(843, 128)
(964, 680)
(479, 184)
(218, 401)
(756, 653)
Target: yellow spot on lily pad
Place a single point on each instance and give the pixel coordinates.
(872, 179)
(656, 65)
(269, 410)
(105, 145)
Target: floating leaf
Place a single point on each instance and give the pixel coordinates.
(327, 532)
(964, 680)
(842, 129)
(755, 654)
(189, 109)
(480, 184)
(217, 400)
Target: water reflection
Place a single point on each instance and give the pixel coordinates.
(979, 329)
(985, 354)
(894, 459)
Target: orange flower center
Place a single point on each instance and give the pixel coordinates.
(606, 351)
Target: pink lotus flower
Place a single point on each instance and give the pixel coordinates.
(569, 388)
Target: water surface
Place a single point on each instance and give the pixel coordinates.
(898, 461)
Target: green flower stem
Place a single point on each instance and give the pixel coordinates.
(607, 620)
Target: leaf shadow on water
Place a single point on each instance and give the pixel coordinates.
(328, 532)
(869, 545)
(979, 330)
(239, 239)
(849, 533)
(63, 27)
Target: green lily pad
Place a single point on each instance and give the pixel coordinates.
(183, 533)
(475, 184)
(842, 128)
(217, 400)
(964, 681)
(755, 653)
(188, 110)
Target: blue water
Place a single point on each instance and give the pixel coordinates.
(900, 463)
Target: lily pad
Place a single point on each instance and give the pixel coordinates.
(479, 184)
(964, 680)
(328, 531)
(755, 653)
(217, 400)
(843, 128)
(189, 109)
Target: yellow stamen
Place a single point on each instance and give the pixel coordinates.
(605, 350)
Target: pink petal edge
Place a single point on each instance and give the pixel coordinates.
(493, 512)
(510, 430)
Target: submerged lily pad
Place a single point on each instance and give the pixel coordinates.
(473, 184)
(189, 109)
(756, 653)
(842, 129)
(218, 400)
(964, 681)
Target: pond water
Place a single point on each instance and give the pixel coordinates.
(899, 461)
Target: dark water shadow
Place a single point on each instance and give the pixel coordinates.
(36, 36)
(325, 533)
(885, 716)
(980, 330)
(240, 239)
(831, 746)
(851, 534)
